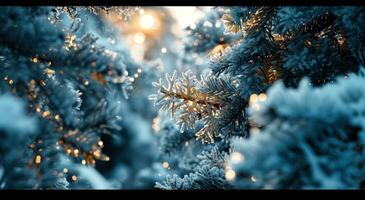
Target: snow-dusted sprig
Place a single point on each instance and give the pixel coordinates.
(208, 175)
(192, 100)
(316, 143)
(124, 12)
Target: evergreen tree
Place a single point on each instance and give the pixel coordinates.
(309, 123)
(74, 89)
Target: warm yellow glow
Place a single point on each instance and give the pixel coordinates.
(74, 178)
(230, 174)
(76, 152)
(57, 117)
(139, 38)
(253, 98)
(46, 114)
(156, 124)
(34, 59)
(262, 97)
(100, 143)
(236, 157)
(165, 165)
(11, 82)
(147, 21)
(65, 170)
(38, 159)
(106, 158)
(97, 154)
(141, 11)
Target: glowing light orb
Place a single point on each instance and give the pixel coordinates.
(147, 21)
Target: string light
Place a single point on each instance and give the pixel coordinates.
(100, 143)
(253, 98)
(86, 83)
(57, 117)
(38, 159)
(139, 70)
(262, 97)
(165, 165)
(46, 114)
(156, 124)
(147, 21)
(253, 179)
(208, 24)
(141, 11)
(74, 178)
(68, 150)
(230, 175)
(76, 152)
(164, 50)
(65, 170)
(83, 162)
(49, 71)
(34, 59)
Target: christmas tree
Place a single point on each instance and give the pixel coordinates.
(248, 97)
(65, 87)
(281, 107)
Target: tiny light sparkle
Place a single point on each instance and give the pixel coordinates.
(147, 21)
(65, 170)
(46, 113)
(253, 179)
(74, 178)
(100, 143)
(83, 162)
(165, 165)
(163, 50)
(262, 97)
(76, 152)
(230, 175)
(38, 159)
(253, 98)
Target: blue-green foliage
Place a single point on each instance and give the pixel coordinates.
(308, 132)
(75, 87)
(310, 138)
